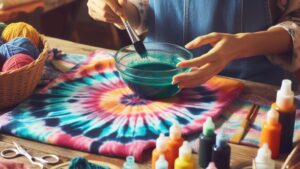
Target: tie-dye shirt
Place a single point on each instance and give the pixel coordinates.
(287, 15)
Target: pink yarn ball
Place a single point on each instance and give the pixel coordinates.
(17, 61)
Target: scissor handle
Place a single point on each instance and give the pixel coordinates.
(47, 159)
(9, 153)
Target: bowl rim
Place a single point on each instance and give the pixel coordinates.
(152, 71)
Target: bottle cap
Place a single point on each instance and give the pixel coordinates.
(263, 154)
(221, 139)
(185, 149)
(208, 127)
(130, 163)
(175, 131)
(285, 95)
(161, 163)
(161, 143)
(211, 165)
(272, 116)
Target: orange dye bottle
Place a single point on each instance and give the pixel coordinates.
(161, 148)
(174, 143)
(271, 132)
(285, 106)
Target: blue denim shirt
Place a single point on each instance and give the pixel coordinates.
(180, 21)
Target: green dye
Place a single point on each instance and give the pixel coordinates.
(153, 85)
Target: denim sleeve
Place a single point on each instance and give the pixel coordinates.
(290, 21)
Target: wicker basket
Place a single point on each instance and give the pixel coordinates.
(17, 85)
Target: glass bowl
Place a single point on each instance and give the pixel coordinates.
(151, 77)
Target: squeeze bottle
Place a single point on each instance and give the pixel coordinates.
(174, 143)
(285, 106)
(130, 163)
(271, 132)
(207, 141)
(185, 159)
(221, 152)
(161, 148)
(263, 159)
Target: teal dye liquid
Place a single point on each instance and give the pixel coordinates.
(154, 66)
(152, 90)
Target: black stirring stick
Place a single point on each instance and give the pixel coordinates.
(137, 43)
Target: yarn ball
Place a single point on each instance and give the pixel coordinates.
(17, 61)
(21, 29)
(19, 45)
(2, 27)
(82, 163)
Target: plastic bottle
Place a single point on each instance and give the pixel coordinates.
(161, 148)
(174, 143)
(185, 159)
(221, 152)
(271, 132)
(263, 159)
(130, 163)
(285, 106)
(211, 165)
(207, 141)
(161, 163)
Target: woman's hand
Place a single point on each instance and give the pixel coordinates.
(107, 10)
(111, 11)
(225, 48)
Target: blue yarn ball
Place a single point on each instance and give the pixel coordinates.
(19, 45)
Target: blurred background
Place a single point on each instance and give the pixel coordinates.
(64, 19)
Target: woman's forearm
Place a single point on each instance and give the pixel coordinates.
(276, 40)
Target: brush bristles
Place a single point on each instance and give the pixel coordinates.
(140, 49)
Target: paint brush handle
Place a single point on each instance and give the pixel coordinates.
(132, 34)
(290, 156)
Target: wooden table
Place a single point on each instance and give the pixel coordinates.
(240, 154)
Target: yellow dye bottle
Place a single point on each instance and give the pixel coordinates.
(185, 159)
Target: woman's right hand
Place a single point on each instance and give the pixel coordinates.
(107, 10)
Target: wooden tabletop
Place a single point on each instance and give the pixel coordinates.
(255, 92)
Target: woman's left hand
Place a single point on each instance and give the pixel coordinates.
(225, 48)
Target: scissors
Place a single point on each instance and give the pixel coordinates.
(10, 153)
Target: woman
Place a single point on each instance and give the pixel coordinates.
(257, 40)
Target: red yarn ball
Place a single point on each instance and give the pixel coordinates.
(17, 61)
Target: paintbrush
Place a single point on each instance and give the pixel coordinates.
(137, 43)
(290, 158)
(239, 134)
